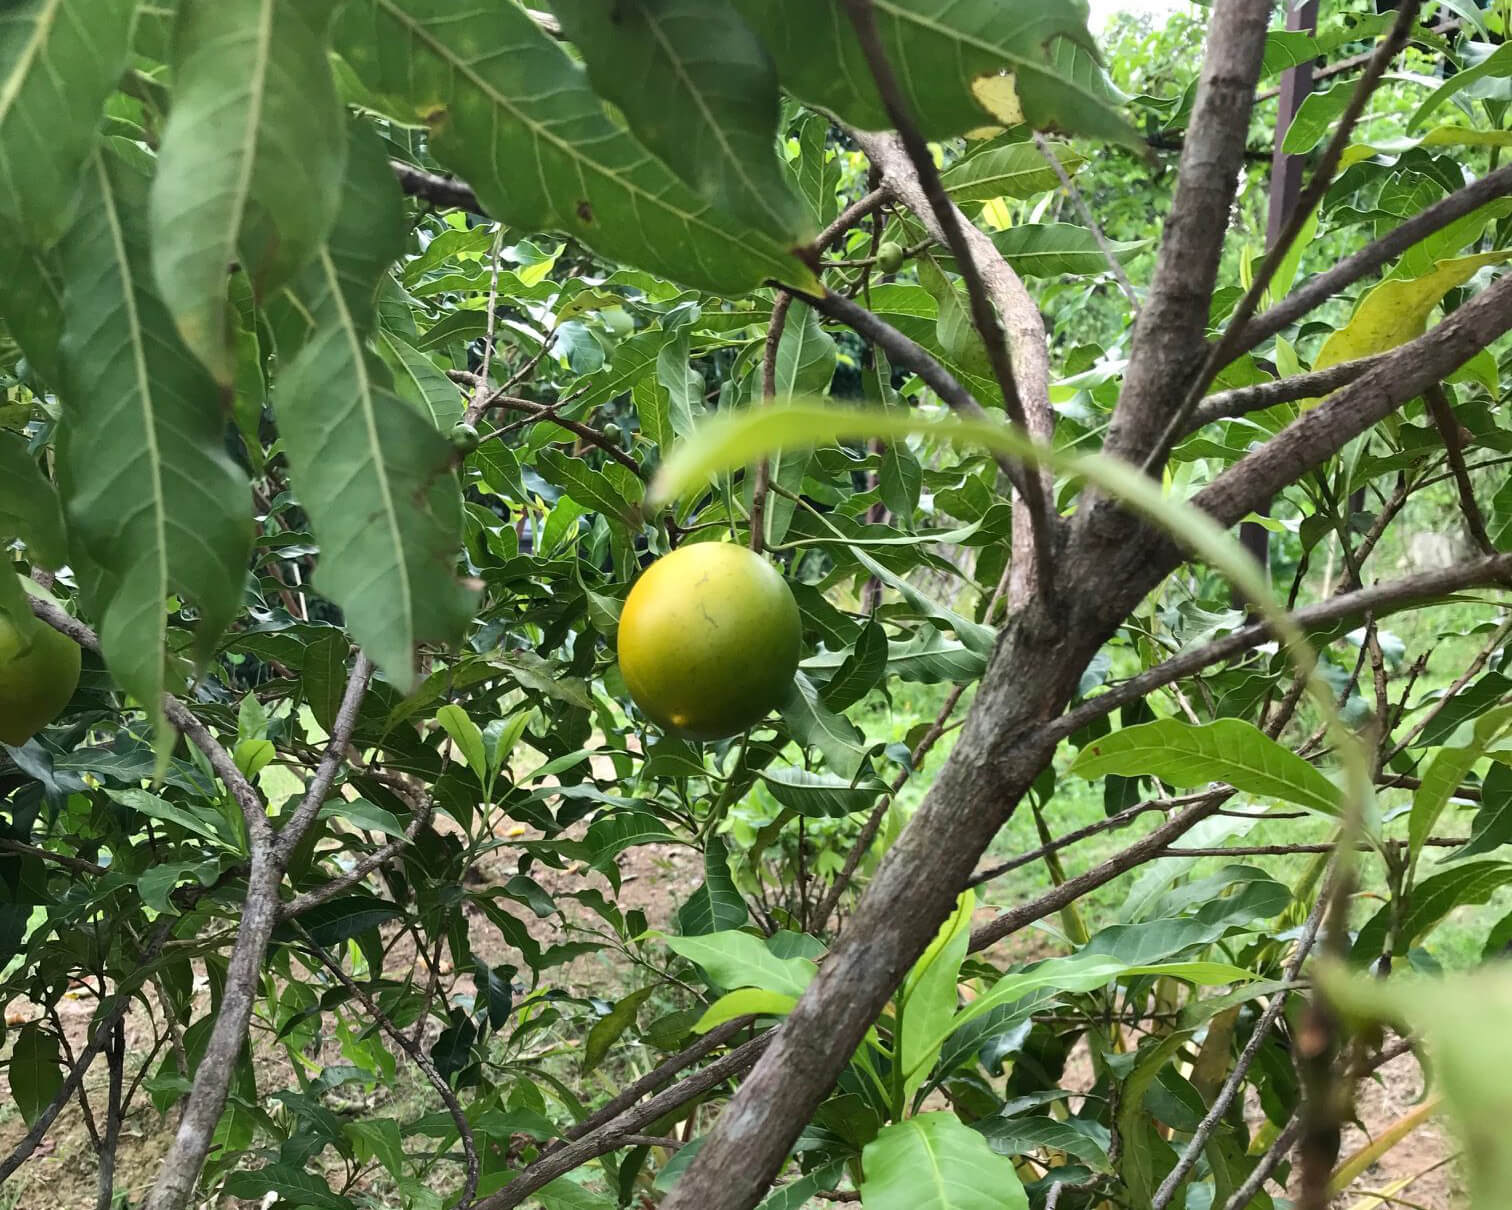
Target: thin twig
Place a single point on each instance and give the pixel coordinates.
(1241, 401)
(479, 402)
(417, 1056)
(1089, 220)
(323, 894)
(763, 481)
(1449, 429)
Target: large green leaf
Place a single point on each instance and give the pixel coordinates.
(513, 114)
(735, 959)
(59, 61)
(936, 1162)
(1228, 750)
(35, 1071)
(251, 163)
(372, 471)
(31, 301)
(953, 58)
(1443, 775)
(927, 1000)
(149, 491)
(806, 360)
(29, 507)
(1050, 249)
(698, 89)
(716, 906)
(1015, 170)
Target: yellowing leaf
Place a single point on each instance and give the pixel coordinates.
(1397, 310)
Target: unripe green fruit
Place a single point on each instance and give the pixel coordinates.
(890, 257)
(709, 640)
(36, 681)
(464, 438)
(613, 431)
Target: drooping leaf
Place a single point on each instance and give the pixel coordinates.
(1226, 750)
(35, 1072)
(698, 88)
(1050, 249)
(933, 1161)
(149, 491)
(818, 795)
(716, 905)
(372, 471)
(1016, 170)
(927, 1000)
(417, 379)
(292, 1185)
(945, 53)
(607, 1029)
(1443, 775)
(251, 163)
(59, 61)
(31, 302)
(523, 127)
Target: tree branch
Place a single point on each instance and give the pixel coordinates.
(1169, 344)
(322, 894)
(1228, 346)
(1241, 401)
(444, 192)
(1449, 429)
(1029, 351)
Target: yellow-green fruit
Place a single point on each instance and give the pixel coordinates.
(890, 257)
(36, 683)
(709, 640)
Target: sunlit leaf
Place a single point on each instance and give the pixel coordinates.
(933, 1161)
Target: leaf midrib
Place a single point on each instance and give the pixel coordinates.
(365, 398)
(41, 29)
(544, 134)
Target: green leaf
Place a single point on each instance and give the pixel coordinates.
(359, 813)
(735, 959)
(1462, 1021)
(1431, 900)
(293, 1186)
(339, 920)
(1050, 249)
(148, 488)
(251, 162)
(203, 821)
(819, 795)
(1015, 170)
(29, 507)
(1496, 65)
(927, 999)
(746, 1001)
(607, 1029)
(960, 63)
(611, 491)
(814, 725)
(1442, 778)
(1228, 750)
(374, 475)
(35, 1073)
(523, 127)
(862, 670)
(467, 736)
(716, 906)
(31, 302)
(698, 89)
(323, 677)
(59, 61)
(417, 379)
(1017, 1136)
(934, 1162)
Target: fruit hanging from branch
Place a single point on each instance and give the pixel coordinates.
(709, 640)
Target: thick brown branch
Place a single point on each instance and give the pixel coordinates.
(1241, 401)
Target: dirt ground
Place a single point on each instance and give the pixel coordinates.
(61, 1174)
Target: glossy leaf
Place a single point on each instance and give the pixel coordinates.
(251, 162)
(1227, 750)
(942, 51)
(734, 960)
(372, 471)
(1016, 170)
(29, 507)
(926, 1002)
(716, 905)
